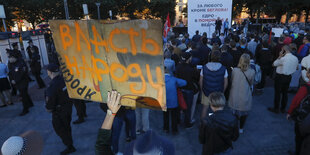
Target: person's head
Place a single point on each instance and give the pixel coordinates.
(243, 42)
(194, 45)
(197, 32)
(150, 143)
(186, 57)
(204, 34)
(218, 18)
(214, 35)
(30, 43)
(167, 54)
(28, 143)
(216, 56)
(204, 40)
(217, 101)
(293, 46)
(224, 48)
(286, 49)
(252, 36)
(15, 46)
(306, 39)
(226, 19)
(226, 41)
(265, 44)
(232, 44)
(52, 70)
(173, 42)
(244, 62)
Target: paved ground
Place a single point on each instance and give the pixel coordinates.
(265, 133)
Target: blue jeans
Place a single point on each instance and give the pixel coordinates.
(130, 121)
(188, 97)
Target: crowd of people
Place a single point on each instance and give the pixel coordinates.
(221, 73)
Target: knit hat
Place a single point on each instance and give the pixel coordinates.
(28, 143)
(150, 143)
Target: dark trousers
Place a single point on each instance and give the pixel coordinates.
(188, 96)
(281, 85)
(218, 30)
(62, 125)
(26, 100)
(173, 112)
(80, 107)
(130, 120)
(39, 80)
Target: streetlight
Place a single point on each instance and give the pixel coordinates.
(66, 9)
(98, 9)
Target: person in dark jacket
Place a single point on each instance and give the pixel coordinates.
(35, 63)
(243, 48)
(219, 129)
(186, 72)
(59, 104)
(196, 37)
(19, 78)
(235, 53)
(218, 25)
(215, 40)
(264, 59)
(227, 60)
(155, 143)
(204, 51)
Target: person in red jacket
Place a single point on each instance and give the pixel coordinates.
(301, 94)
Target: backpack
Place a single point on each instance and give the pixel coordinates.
(258, 73)
(302, 111)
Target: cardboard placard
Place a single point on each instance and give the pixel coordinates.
(98, 56)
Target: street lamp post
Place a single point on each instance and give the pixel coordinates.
(66, 9)
(98, 9)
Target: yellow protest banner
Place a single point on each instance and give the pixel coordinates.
(98, 56)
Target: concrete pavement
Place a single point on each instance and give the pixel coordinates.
(265, 133)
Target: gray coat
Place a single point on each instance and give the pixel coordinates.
(240, 97)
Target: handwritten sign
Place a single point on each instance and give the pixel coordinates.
(277, 31)
(98, 56)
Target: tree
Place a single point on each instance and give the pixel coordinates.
(161, 8)
(9, 12)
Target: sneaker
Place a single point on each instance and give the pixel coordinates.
(241, 131)
(68, 150)
(79, 121)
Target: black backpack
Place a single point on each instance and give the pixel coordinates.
(302, 111)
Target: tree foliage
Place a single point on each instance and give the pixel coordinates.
(37, 11)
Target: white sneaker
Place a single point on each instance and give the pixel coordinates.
(240, 131)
